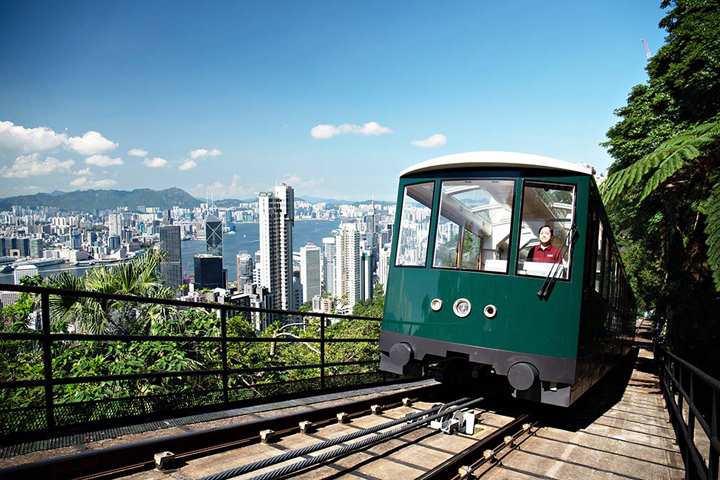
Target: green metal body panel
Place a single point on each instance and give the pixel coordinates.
(523, 323)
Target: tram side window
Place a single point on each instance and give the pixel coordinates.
(606, 269)
(473, 231)
(546, 205)
(599, 257)
(415, 225)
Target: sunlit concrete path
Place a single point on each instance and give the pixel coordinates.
(620, 430)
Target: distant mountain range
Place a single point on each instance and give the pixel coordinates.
(88, 200)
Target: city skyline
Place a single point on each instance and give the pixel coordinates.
(126, 97)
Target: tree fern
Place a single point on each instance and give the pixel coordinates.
(665, 161)
(713, 233)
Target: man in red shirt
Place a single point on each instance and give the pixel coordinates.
(544, 252)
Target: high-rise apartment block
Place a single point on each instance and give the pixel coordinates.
(347, 268)
(276, 211)
(171, 266)
(329, 253)
(115, 224)
(310, 271)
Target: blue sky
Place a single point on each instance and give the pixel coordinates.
(232, 92)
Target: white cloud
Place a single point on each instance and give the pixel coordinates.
(136, 152)
(187, 165)
(201, 152)
(31, 166)
(233, 190)
(84, 182)
(91, 143)
(323, 132)
(156, 162)
(103, 161)
(433, 141)
(16, 137)
(84, 171)
(296, 181)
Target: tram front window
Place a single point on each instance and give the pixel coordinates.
(473, 231)
(415, 225)
(547, 216)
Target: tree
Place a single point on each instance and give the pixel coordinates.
(663, 191)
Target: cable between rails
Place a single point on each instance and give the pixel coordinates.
(343, 450)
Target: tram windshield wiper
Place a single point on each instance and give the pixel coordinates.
(556, 267)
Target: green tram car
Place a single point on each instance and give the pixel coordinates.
(466, 288)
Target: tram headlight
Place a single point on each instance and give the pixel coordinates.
(462, 307)
(436, 305)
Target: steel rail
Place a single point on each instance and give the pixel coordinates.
(294, 467)
(140, 455)
(449, 468)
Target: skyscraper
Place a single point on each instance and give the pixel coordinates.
(276, 211)
(366, 275)
(213, 235)
(310, 271)
(208, 271)
(329, 264)
(171, 266)
(245, 267)
(347, 277)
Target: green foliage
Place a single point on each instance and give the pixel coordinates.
(373, 307)
(662, 193)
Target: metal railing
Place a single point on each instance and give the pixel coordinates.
(45, 417)
(692, 398)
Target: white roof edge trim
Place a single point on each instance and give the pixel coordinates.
(496, 159)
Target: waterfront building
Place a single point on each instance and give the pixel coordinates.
(24, 270)
(310, 271)
(36, 248)
(347, 268)
(208, 271)
(171, 266)
(276, 211)
(213, 235)
(329, 254)
(245, 267)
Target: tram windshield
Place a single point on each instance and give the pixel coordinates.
(473, 231)
(547, 217)
(415, 225)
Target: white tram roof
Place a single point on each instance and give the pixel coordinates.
(496, 159)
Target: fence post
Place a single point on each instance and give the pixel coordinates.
(223, 349)
(47, 360)
(322, 352)
(714, 454)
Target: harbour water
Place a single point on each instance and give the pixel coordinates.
(246, 238)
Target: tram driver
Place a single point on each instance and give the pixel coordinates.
(545, 252)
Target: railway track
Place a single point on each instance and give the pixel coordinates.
(394, 436)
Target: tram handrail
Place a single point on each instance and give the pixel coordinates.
(673, 382)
